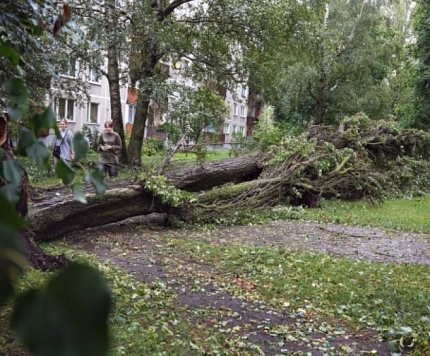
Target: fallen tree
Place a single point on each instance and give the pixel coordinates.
(351, 163)
(54, 219)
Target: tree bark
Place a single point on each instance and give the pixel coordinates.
(69, 216)
(138, 131)
(204, 177)
(58, 219)
(150, 60)
(113, 79)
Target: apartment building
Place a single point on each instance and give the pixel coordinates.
(95, 110)
(235, 121)
(91, 112)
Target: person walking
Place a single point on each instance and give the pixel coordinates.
(65, 143)
(110, 146)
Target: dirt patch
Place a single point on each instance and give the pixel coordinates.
(361, 243)
(136, 248)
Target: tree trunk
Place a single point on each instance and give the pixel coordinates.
(115, 100)
(145, 93)
(58, 219)
(138, 131)
(204, 177)
(70, 216)
(113, 79)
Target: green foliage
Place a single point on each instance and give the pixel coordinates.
(152, 146)
(168, 193)
(75, 305)
(240, 145)
(343, 58)
(266, 133)
(198, 110)
(173, 131)
(422, 76)
(78, 303)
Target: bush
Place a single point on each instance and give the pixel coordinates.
(152, 146)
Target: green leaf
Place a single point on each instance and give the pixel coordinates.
(65, 172)
(39, 153)
(9, 216)
(80, 146)
(12, 262)
(15, 113)
(78, 195)
(7, 51)
(68, 317)
(18, 94)
(96, 178)
(26, 139)
(12, 170)
(11, 192)
(17, 91)
(44, 121)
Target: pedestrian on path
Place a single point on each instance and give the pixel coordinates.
(110, 146)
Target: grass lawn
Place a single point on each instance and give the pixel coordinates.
(404, 214)
(322, 294)
(40, 178)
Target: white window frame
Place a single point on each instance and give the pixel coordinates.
(94, 77)
(242, 130)
(71, 69)
(188, 9)
(90, 105)
(131, 113)
(243, 92)
(66, 105)
(235, 109)
(227, 129)
(242, 111)
(234, 128)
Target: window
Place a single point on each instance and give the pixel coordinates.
(188, 9)
(234, 128)
(93, 113)
(243, 92)
(242, 111)
(94, 76)
(71, 68)
(65, 108)
(242, 130)
(131, 113)
(236, 107)
(226, 128)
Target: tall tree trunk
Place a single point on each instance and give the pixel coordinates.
(137, 133)
(320, 98)
(320, 104)
(144, 99)
(113, 79)
(115, 99)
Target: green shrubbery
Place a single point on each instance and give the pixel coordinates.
(152, 146)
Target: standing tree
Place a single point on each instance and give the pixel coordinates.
(215, 38)
(342, 60)
(422, 88)
(198, 110)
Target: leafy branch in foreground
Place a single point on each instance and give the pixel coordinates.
(75, 304)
